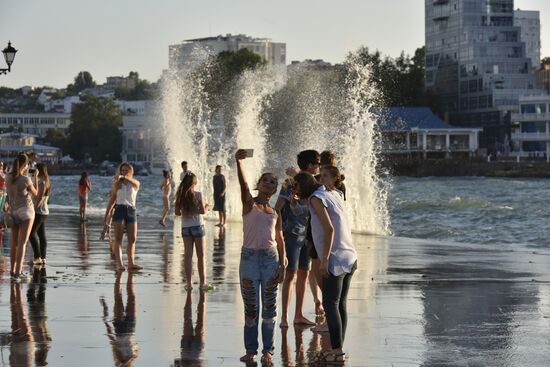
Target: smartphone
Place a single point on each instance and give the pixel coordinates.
(249, 153)
(31, 171)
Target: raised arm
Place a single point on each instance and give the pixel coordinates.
(328, 233)
(132, 181)
(32, 186)
(246, 196)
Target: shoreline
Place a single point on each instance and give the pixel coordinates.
(465, 168)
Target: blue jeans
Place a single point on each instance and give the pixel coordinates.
(258, 271)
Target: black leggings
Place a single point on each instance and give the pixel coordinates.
(38, 236)
(335, 296)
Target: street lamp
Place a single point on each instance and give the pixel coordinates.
(9, 55)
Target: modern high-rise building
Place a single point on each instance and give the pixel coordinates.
(477, 65)
(529, 23)
(186, 53)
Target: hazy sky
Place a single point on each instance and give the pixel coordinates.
(58, 38)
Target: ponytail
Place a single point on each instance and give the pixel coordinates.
(20, 161)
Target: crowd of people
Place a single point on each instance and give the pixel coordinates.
(305, 238)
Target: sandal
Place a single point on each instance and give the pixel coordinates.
(206, 287)
(267, 359)
(248, 358)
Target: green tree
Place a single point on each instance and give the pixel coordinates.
(82, 81)
(545, 61)
(142, 89)
(95, 130)
(55, 138)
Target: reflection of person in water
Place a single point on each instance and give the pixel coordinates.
(165, 259)
(22, 343)
(122, 330)
(192, 340)
(36, 298)
(286, 355)
(218, 255)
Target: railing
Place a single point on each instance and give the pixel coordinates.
(538, 136)
(530, 116)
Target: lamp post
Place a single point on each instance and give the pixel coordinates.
(9, 55)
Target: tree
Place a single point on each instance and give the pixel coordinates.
(82, 81)
(142, 89)
(95, 129)
(400, 80)
(55, 138)
(545, 61)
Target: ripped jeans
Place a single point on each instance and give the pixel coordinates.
(258, 271)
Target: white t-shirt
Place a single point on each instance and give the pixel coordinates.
(126, 195)
(342, 255)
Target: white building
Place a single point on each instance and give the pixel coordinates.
(11, 144)
(529, 21)
(183, 55)
(418, 131)
(531, 128)
(64, 105)
(142, 143)
(35, 123)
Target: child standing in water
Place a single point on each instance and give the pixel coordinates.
(263, 262)
(166, 187)
(84, 187)
(191, 207)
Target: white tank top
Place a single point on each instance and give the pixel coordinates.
(126, 195)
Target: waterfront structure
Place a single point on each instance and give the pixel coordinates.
(477, 65)
(183, 55)
(35, 123)
(528, 22)
(531, 128)
(543, 78)
(13, 143)
(318, 64)
(417, 131)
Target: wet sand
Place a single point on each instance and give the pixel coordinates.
(412, 303)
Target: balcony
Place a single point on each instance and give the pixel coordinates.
(440, 2)
(531, 117)
(539, 136)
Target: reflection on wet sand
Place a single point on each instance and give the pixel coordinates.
(22, 341)
(319, 342)
(165, 259)
(121, 331)
(192, 340)
(218, 256)
(83, 246)
(36, 298)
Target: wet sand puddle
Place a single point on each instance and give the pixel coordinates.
(412, 303)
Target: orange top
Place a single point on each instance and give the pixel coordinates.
(83, 189)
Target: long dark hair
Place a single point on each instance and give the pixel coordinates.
(43, 172)
(307, 184)
(186, 200)
(83, 178)
(19, 161)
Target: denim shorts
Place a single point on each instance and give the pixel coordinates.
(124, 213)
(194, 232)
(296, 252)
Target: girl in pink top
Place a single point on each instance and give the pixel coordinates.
(263, 262)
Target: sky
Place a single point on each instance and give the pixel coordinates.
(58, 38)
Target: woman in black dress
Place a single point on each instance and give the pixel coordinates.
(219, 194)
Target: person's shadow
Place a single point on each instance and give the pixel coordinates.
(121, 331)
(192, 340)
